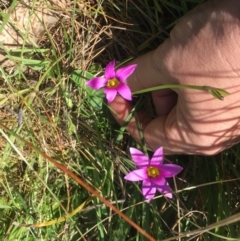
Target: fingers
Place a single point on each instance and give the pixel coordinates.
(164, 131)
(156, 132)
(172, 131)
(164, 101)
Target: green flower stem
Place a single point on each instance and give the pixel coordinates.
(216, 92)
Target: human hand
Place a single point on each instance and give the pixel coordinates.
(203, 49)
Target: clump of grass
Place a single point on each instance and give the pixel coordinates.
(72, 125)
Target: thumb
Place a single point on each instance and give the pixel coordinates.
(151, 69)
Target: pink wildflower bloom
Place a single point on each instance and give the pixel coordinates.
(113, 81)
(152, 173)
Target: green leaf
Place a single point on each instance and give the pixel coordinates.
(95, 97)
(4, 206)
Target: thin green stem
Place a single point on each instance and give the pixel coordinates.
(216, 92)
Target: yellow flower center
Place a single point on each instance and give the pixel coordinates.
(153, 172)
(113, 83)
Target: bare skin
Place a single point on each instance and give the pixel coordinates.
(203, 49)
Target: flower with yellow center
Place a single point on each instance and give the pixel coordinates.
(113, 81)
(152, 173)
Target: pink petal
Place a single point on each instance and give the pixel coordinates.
(137, 175)
(97, 83)
(148, 189)
(170, 170)
(109, 70)
(124, 91)
(110, 94)
(157, 158)
(140, 159)
(124, 72)
(162, 186)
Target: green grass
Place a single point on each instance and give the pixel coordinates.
(72, 125)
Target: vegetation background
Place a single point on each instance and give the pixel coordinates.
(44, 103)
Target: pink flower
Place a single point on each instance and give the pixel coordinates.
(113, 81)
(152, 173)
